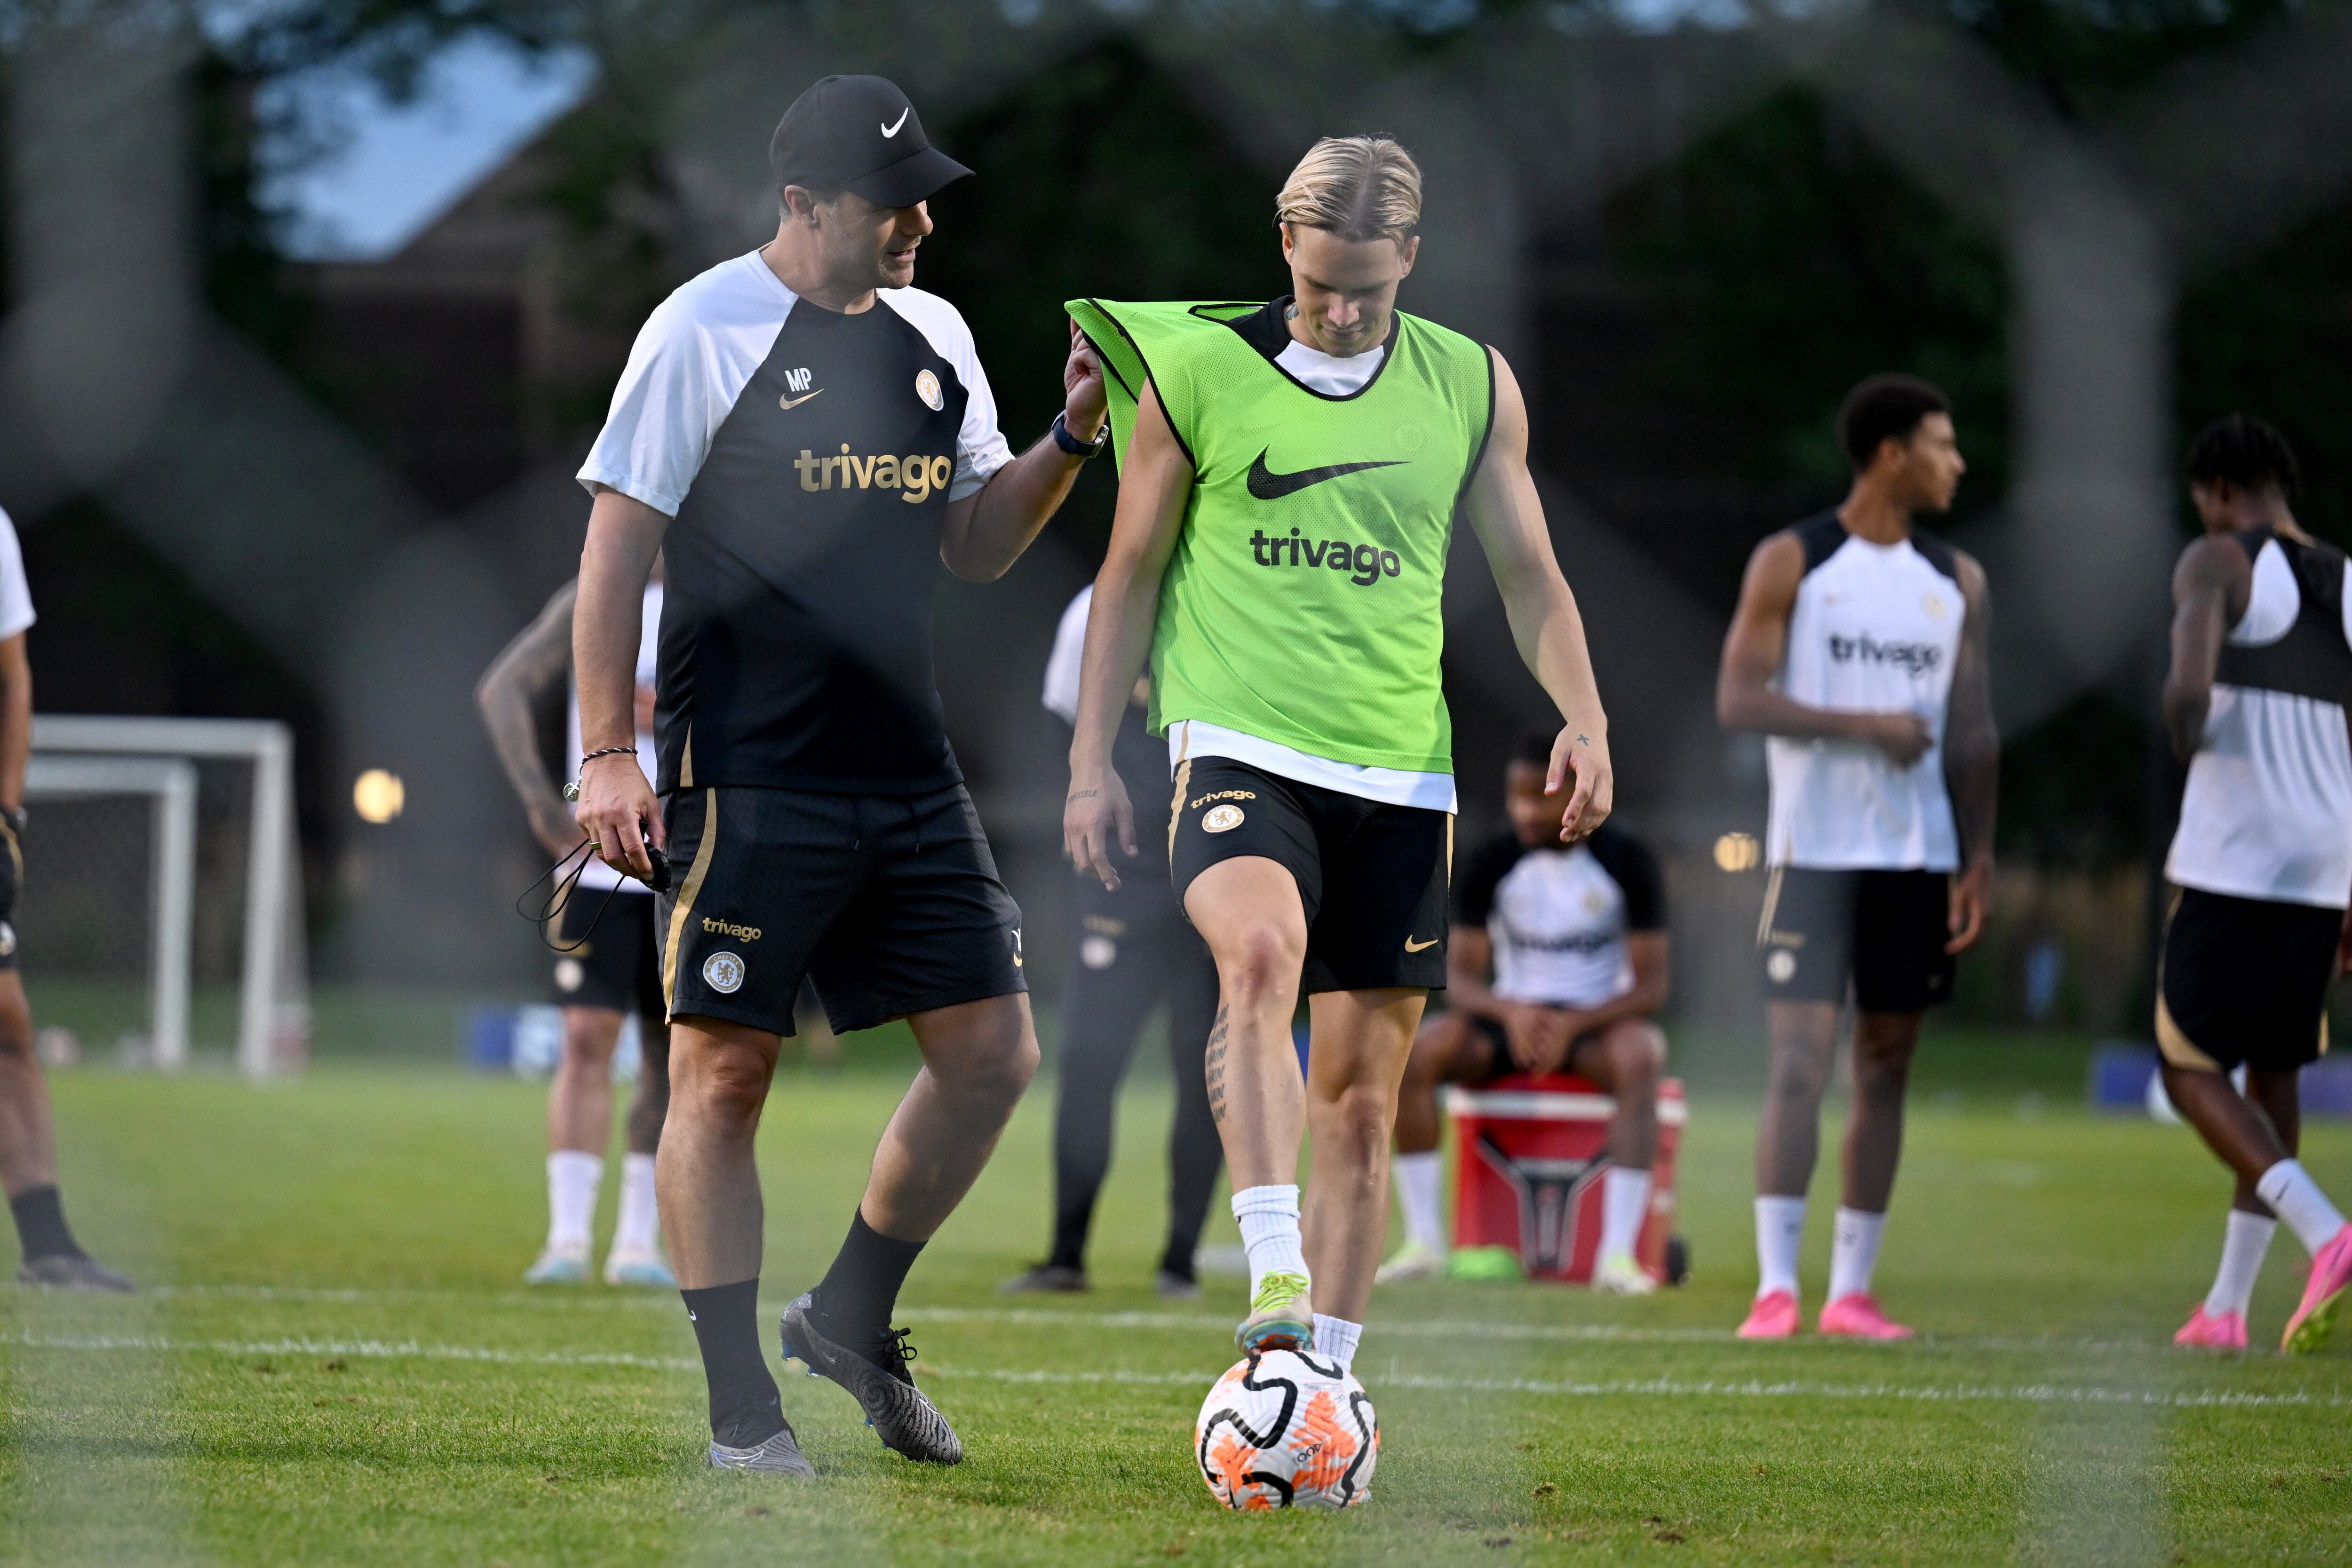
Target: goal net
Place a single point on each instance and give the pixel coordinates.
(162, 906)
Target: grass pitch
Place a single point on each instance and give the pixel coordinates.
(339, 1366)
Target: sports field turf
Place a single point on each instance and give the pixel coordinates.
(340, 1366)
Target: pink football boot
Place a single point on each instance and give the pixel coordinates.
(1774, 1316)
(1855, 1315)
(2323, 1296)
(2203, 1331)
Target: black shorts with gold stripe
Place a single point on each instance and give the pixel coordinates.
(1372, 876)
(890, 904)
(2244, 979)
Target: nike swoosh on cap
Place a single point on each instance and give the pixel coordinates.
(1268, 486)
(894, 130)
(796, 401)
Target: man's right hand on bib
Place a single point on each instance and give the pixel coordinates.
(619, 812)
(1098, 812)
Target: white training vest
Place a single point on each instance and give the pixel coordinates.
(2267, 813)
(1875, 628)
(596, 873)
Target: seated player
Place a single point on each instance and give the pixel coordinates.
(2256, 701)
(1575, 938)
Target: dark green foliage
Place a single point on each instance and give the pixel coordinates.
(1784, 261)
(2273, 337)
(1096, 177)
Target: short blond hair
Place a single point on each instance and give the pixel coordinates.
(1357, 187)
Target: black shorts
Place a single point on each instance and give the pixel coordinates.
(890, 904)
(1882, 930)
(1499, 1062)
(609, 959)
(1372, 876)
(2244, 979)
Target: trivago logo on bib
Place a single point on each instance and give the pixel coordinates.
(1912, 658)
(914, 477)
(1363, 564)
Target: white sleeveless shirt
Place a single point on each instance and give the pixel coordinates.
(1875, 628)
(2267, 813)
(596, 873)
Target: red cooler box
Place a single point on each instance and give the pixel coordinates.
(1528, 1152)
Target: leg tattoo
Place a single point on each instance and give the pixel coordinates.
(1216, 1067)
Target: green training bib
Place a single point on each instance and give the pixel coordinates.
(1302, 605)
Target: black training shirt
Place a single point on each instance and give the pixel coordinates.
(808, 458)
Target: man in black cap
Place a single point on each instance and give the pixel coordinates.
(806, 436)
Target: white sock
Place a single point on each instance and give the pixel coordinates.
(2294, 1198)
(1853, 1251)
(1624, 1201)
(572, 1179)
(1268, 1217)
(1420, 1185)
(1779, 1232)
(639, 1230)
(1336, 1340)
(2243, 1245)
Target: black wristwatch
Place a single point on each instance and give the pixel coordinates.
(1071, 444)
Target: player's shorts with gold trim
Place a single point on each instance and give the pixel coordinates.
(1372, 876)
(1882, 932)
(890, 904)
(2244, 979)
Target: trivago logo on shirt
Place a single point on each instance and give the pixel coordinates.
(1364, 564)
(1912, 658)
(914, 476)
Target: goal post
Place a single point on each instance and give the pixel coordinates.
(84, 756)
(171, 783)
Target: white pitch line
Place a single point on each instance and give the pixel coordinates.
(1408, 1328)
(1656, 1388)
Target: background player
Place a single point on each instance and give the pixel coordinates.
(806, 439)
(1557, 963)
(2256, 702)
(610, 965)
(28, 1159)
(1131, 950)
(1283, 513)
(1859, 647)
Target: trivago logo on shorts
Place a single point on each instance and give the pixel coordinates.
(914, 476)
(1363, 564)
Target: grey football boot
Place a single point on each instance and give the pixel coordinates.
(72, 1271)
(901, 1415)
(778, 1456)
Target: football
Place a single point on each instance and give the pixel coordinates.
(1287, 1430)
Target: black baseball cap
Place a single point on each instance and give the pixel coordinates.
(861, 134)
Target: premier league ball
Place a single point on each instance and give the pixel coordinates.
(1286, 1431)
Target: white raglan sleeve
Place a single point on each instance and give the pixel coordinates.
(671, 400)
(980, 447)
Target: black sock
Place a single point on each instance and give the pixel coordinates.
(1178, 1260)
(745, 1410)
(855, 1299)
(41, 1224)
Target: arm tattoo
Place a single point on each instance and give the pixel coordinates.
(1216, 1067)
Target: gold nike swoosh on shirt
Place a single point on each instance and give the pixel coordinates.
(1412, 947)
(796, 401)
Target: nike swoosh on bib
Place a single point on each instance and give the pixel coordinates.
(796, 401)
(1268, 486)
